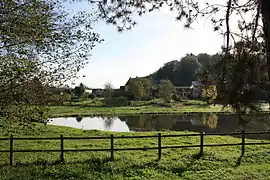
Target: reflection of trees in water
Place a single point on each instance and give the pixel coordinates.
(150, 122)
(217, 123)
(79, 119)
(210, 120)
(257, 122)
(108, 121)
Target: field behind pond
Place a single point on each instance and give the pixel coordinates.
(217, 162)
(97, 107)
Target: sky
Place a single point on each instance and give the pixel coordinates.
(155, 40)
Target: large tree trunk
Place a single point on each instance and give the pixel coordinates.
(265, 10)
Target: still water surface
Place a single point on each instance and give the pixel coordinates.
(87, 123)
(196, 123)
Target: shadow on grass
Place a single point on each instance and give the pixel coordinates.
(104, 164)
(96, 161)
(238, 162)
(180, 170)
(58, 162)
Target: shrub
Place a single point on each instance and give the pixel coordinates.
(92, 96)
(210, 94)
(85, 96)
(120, 93)
(75, 99)
(176, 97)
(117, 101)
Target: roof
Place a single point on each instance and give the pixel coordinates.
(131, 79)
(184, 87)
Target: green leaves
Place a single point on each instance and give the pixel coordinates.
(41, 46)
(140, 87)
(166, 89)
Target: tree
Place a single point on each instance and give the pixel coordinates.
(247, 71)
(180, 73)
(166, 89)
(38, 40)
(140, 87)
(188, 69)
(49, 36)
(251, 16)
(79, 90)
(210, 93)
(108, 90)
(121, 13)
(209, 73)
(169, 71)
(204, 59)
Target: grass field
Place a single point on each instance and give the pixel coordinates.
(217, 163)
(89, 108)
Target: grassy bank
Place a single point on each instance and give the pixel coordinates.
(89, 108)
(217, 163)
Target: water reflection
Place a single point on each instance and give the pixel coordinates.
(79, 119)
(200, 122)
(210, 120)
(108, 122)
(87, 123)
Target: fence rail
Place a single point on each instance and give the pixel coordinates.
(112, 149)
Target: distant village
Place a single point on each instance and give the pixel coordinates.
(193, 91)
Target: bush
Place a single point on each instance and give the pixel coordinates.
(210, 94)
(92, 96)
(75, 99)
(120, 93)
(58, 99)
(140, 103)
(176, 97)
(117, 101)
(194, 102)
(157, 101)
(85, 96)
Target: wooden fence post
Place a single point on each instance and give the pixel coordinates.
(201, 143)
(243, 142)
(112, 155)
(159, 146)
(62, 148)
(11, 150)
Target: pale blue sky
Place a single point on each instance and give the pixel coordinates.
(157, 39)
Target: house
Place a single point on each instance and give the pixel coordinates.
(184, 91)
(122, 88)
(127, 85)
(98, 92)
(197, 89)
(194, 91)
(89, 91)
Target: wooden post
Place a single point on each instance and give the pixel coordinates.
(159, 146)
(243, 142)
(201, 143)
(112, 155)
(62, 148)
(11, 149)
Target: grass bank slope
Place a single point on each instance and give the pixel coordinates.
(217, 163)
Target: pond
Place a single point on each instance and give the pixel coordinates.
(215, 123)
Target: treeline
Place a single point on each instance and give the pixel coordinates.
(189, 68)
(160, 84)
(141, 89)
(205, 68)
(237, 77)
